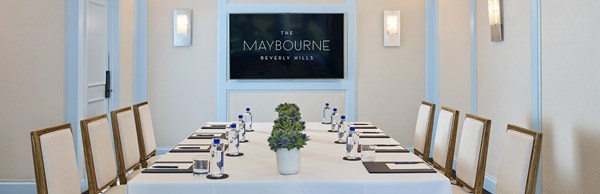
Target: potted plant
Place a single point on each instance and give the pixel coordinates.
(287, 138)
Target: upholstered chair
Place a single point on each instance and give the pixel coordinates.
(472, 155)
(519, 162)
(145, 131)
(422, 138)
(99, 154)
(126, 143)
(445, 140)
(54, 161)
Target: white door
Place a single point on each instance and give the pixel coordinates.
(97, 59)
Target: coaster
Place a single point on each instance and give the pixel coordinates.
(235, 155)
(245, 141)
(339, 142)
(355, 159)
(333, 131)
(224, 176)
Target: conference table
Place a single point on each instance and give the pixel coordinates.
(322, 170)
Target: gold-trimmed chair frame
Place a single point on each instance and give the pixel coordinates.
(38, 158)
(483, 151)
(121, 168)
(425, 153)
(144, 157)
(534, 158)
(451, 143)
(89, 157)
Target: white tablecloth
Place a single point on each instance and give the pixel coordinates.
(322, 171)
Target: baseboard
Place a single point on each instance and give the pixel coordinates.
(20, 187)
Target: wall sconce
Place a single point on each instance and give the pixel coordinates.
(391, 27)
(495, 16)
(182, 27)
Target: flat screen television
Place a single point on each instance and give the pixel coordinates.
(286, 46)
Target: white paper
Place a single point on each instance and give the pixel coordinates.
(179, 165)
(389, 147)
(394, 166)
(195, 147)
(361, 123)
(371, 134)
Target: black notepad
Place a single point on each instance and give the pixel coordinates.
(207, 136)
(382, 167)
(166, 168)
(193, 148)
(381, 135)
(364, 127)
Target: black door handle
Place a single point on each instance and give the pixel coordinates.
(107, 89)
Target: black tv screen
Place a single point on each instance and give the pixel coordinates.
(286, 46)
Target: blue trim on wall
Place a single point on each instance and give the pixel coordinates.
(473, 23)
(140, 51)
(431, 51)
(18, 187)
(224, 85)
(536, 77)
(432, 59)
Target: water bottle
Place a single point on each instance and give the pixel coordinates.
(234, 140)
(242, 127)
(216, 166)
(334, 120)
(342, 130)
(352, 144)
(327, 114)
(248, 120)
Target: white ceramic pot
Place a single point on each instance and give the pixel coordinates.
(288, 161)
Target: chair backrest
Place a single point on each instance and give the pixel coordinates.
(445, 140)
(126, 141)
(422, 139)
(99, 153)
(520, 161)
(54, 161)
(472, 153)
(145, 130)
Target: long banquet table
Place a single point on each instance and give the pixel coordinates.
(322, 170)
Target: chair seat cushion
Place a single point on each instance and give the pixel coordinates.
(119, 189)
(459, 190)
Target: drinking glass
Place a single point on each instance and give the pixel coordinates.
(368, 153)
(200, 165)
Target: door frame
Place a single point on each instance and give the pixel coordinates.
(76, 36)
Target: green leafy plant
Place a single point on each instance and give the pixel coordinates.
(287, 132)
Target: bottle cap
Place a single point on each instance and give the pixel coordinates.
(247, 109)
(233, 125)
(352, 129)
(216, 141)
(343, 116)
(240, 116)
(326, 104)
(334, 109)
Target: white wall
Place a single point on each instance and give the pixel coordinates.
(263, 103)
(570, 96)
(391, 80)
(504, 75)
(181, 80)
(455, 57)
(126, 52)
(32, 59)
